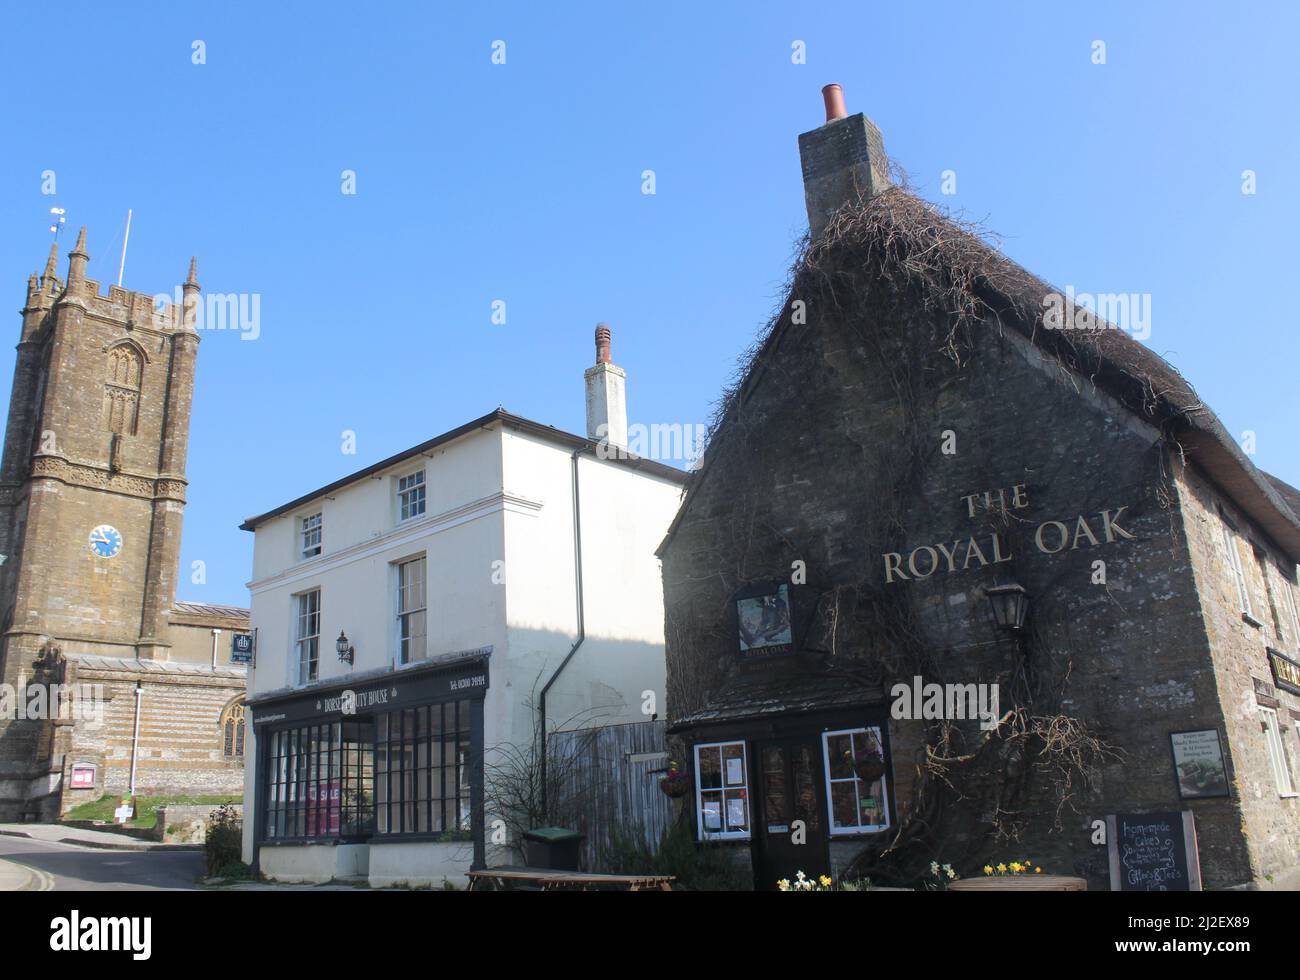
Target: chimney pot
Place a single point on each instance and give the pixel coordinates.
(833, 95)
(602, 344)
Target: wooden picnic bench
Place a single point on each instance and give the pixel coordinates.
(511, 878)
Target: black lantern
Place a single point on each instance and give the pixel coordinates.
(345, 650)
(1010, 604)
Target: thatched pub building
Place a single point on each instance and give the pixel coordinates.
(967, 569)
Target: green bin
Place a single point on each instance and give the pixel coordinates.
(555, 848)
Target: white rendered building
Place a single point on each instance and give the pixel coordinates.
(460, 578)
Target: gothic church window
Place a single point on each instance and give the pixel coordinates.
(232, 729)
(122, 390)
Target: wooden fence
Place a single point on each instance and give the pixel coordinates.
(609, 775)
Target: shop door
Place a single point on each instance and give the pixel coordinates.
(790, 826)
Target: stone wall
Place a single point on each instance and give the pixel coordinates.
(1270, 823)
(817, 466)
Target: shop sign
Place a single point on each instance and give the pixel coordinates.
(1286, 672)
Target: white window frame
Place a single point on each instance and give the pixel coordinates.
(301, 620)
(857, 789)
(1277, 753)
(722, 790)
(399, 568)
(406, 507)
(1238, 572)
(1289, 589)
(307, 531)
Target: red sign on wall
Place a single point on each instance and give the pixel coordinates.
(83, 777)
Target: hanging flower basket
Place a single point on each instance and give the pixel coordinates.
(869, 764)
(868, 768)
(674, 788)
(674, 783)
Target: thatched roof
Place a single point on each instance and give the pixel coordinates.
(1108, 358)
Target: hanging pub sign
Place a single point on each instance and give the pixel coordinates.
(1153, 852)
(1286, 672)
(241, 648)
(764, 621)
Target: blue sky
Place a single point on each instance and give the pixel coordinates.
(522, 182)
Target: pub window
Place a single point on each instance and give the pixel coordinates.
(410, 496)
(232, 730)
(722, 790)
(1288, 590)
(855, 780)
(1238, 573)
(308, 636)
(1277, 752)
(411, 640)
(422, 770)
(311, 528)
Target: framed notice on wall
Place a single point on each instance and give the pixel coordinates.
(1198, 764)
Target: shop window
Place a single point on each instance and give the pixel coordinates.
(319, 781)
(722, 790)
(856, 794)
(1277, 753)
(422, 770)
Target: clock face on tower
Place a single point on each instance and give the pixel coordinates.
(105, 541)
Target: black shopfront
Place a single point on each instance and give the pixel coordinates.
(398, 756)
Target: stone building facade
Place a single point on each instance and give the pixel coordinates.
(92, 495)
(911, 441)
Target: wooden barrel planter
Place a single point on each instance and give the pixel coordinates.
(1020, 883)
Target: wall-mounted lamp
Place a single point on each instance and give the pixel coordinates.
(1010, 605)
(345, 649)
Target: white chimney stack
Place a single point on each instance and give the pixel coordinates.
(606, 395)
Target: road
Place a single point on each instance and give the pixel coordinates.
(36, 865)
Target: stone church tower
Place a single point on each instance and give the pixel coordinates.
(92, 493)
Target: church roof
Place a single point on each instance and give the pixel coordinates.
(206, 611)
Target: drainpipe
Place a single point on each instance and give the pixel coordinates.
(135, 735)
(582, 629)
(215, 634)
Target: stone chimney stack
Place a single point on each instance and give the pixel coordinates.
(606, 395)
(842, 161)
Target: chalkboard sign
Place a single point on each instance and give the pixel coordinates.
(1153, 852)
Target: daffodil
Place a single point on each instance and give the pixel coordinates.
(1002, 869)
(988, 869)
(783, 884)
(1038, 871)
(826, 882)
